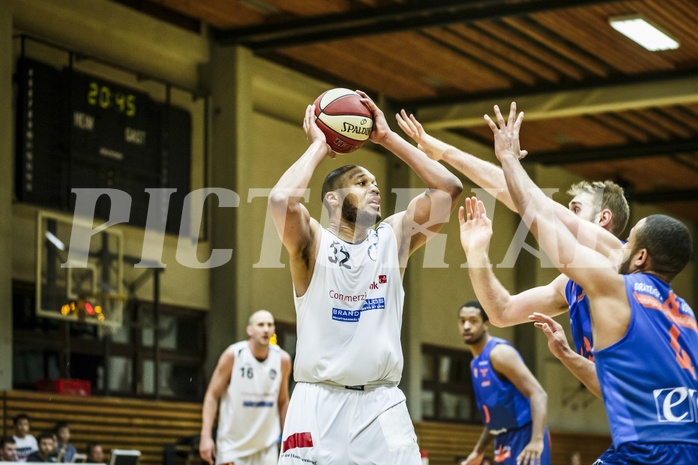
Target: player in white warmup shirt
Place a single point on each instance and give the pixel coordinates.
(251, 384)
(346, 407)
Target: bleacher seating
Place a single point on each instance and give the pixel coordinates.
(116, 423)
(446, 441)
(150, 425)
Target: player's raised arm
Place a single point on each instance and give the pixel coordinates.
(594, 272)
(502, 308)
(483, 173)
(292, 220)
(427, 212)
(491, 178)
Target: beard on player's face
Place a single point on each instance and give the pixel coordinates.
(351, 213)
(475, 337)
(624, 267)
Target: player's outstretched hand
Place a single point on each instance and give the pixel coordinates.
(207, 450)
(433, 147)
(506, 134)
(531, 454)
(557, 340)
(312, 132)
(475, 227)
(381, 129)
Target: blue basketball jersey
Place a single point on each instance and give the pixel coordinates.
(648, 378)
(502, 406)
(580, 319)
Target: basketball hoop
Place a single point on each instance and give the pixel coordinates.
(88, 289)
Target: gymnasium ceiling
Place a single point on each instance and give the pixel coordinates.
(596, 103)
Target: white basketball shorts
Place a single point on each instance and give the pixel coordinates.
(268, 456)
(333, 425)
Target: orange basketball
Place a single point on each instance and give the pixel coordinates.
(345, 120)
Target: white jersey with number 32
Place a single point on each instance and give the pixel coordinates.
(350, 317)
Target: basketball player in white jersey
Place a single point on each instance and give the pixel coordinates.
(347, 278)
(251, 384)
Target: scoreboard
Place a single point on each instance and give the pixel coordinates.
(75, 130)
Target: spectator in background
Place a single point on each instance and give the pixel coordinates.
(47, 449)
(26, 442)
(95, 454)
(65, 450)
(575, 458)
(8, 449)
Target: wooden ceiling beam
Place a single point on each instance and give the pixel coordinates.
(666, 196)
(611, 153)
(394, 18)
(555, 102)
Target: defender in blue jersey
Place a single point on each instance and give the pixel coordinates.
(597, 213)
(512, 403)
(645, 337)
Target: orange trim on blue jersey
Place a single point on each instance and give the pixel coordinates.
(670, 308)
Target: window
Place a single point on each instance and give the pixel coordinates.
(447, 389)
(125, 361)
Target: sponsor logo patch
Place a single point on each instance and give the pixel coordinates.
(676, 405)
(297, 440)
(261, 403)
(339, 314)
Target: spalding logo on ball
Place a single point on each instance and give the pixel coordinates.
(345, 120)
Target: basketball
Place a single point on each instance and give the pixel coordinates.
(345, 120)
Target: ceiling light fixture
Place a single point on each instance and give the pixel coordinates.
(643, 32)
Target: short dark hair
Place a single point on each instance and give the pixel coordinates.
(476, 304)
(20, 416)
(91, 445)
(668, 243)
(7, 440)
(45, 435)
(60, 425)
(333, 180)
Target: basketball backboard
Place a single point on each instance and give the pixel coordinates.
(90, 293)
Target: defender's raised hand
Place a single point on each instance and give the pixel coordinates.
(475, 227)
(506, 134)
(433, 147)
